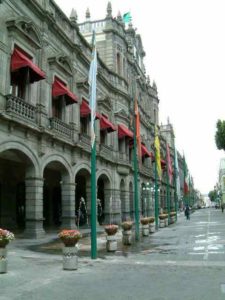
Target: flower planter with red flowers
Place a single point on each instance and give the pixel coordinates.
(151, 224)
(70, 239)
(5, 237)
(145, 225)
(111, 240)
(127, 232)
(172, 217)
(127, 225)
(111, 229)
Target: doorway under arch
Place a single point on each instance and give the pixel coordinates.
(15, 166)
(104, 200)
(82, 197)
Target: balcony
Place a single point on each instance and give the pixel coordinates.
(106, 151)
(148, 171)
(85, 141)
(18, 107)
(123, 159)
(61, 128)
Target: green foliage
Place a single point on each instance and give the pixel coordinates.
(212, 195)
(220, 135)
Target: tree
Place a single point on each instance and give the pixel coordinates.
(220, 135)
(212, 195)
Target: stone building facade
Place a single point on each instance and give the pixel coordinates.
(45, 119)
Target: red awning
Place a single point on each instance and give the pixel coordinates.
(105, 124)
(84, 109)
(123, 131)
(145, 152)
(59, 89)
(97, 116)
(163, 163)
(20, 61)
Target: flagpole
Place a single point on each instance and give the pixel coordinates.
(167, 191)
(136, 206)
(92, 83)
(184, 166)
(93, 203)
(156, 190)
(156, 197)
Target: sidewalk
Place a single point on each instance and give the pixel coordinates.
(51, 244)
(35, 266)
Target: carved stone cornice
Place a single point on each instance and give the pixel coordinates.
(62, 61)
(25, 27)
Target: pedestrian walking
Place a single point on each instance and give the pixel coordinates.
(222, 207)
(187, 212)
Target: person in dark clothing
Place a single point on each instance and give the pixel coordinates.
(187, 212)
(222, 207)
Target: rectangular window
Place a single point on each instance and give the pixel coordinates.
(103, 137)
(57, 107)
(84, 125)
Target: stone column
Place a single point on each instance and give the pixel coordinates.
(126, 212)
(112, 207)
(68, 205)
(34, 208)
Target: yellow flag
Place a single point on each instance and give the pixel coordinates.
(157, 154)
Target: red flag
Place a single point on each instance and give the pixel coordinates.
(138, 129)
(169, 164)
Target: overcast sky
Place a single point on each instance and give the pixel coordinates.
(184, 41)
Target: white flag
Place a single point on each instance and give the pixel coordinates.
(92, 88)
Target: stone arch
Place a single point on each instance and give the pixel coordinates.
(79, 166)
(68, 174)
(58, 192)
(18, 167)
(18, 146)
(105, 196)
(106, 173)
(83, 193)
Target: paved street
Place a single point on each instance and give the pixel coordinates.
(183, 261)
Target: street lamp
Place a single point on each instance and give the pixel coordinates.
(148, 188)
(153, 199)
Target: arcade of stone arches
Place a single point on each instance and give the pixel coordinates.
(40, 195)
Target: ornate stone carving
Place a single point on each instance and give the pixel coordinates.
(63, 61)
(25, 26)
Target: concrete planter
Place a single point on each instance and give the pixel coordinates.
(3, 260)
(127, 237)
(161, 223)
(172, 219)
(152, 227)
(166, 222)
(145, 230)
(111, 243)
(70, 259)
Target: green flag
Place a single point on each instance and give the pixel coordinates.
(127, 17)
